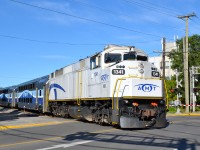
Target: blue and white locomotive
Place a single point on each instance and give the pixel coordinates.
(116, 86)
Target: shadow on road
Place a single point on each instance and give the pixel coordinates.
(124, 138)
(7, 114)
(154, 141)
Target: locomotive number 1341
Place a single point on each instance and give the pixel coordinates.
(118, 71)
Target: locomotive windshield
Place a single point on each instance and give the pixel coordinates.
(130, 56)
(134, 56)
(142, 58)
(112, 57)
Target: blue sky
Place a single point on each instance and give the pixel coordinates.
(39, 36)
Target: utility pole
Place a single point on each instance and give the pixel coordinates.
(186, 71)
(163, 42)
(163, 63)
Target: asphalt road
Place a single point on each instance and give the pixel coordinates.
(182, 133)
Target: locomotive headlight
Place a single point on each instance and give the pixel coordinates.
(120, 66)
(141, 65)
(126, 101)
(162, 102)
(135, 104)
(154, 104)
(141, 71)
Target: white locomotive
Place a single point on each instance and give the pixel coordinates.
(117, 86)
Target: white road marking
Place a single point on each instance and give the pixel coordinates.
(65, 145)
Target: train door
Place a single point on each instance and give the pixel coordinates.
(79, 86)
(45, 98)
(36, 100)
(13, 99)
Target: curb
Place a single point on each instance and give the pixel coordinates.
(183, 114)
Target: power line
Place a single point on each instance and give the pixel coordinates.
(49, 42)
(86, 19)
(15, 77)
(195, 23)
(166, 8)
(65, 43)
(117, 13)
(198, 18)
(198, 23)
(150, 8)
(97, 7)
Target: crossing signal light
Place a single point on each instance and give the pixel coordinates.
(196, 90)
(176, 90)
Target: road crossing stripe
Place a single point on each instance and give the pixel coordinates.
(66, 145)
(8, 127)
(53, 138)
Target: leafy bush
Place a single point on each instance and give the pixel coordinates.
(172, 109)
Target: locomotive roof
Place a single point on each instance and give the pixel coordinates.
(120, 47)
(114, 46)
(8, 88)
(109, 47)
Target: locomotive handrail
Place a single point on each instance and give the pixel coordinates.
(124, 78)
(118, 92)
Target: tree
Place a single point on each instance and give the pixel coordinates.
(170, 84)
(176, 56)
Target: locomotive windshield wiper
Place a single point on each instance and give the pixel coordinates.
(118, 61)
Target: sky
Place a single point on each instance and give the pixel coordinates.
(38, 37)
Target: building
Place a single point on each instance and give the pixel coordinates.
(157, 60)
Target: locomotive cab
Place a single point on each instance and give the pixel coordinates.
(136, 87)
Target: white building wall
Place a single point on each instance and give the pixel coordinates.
(157, 60)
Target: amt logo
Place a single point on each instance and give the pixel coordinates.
(54, 87)
(104, 77)
(147, 87)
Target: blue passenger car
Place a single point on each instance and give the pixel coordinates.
(8, 96)
(31, 94)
